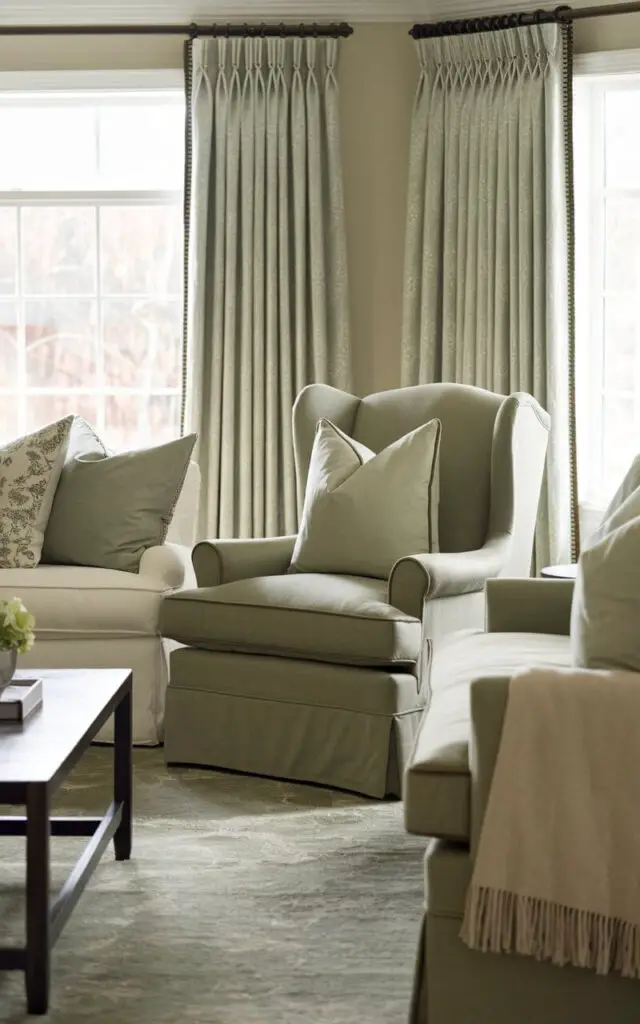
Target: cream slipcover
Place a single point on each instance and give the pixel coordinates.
(320, 677)
(106, 618)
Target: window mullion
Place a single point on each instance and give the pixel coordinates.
(597, 290)
(100, 361)
(22, 336)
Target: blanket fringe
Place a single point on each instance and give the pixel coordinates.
(497, 921)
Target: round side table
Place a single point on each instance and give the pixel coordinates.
(559, 572)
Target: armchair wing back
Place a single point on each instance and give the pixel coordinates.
(492, 454)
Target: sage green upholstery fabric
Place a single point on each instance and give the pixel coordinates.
(447, 786)
(629, 484)
(336, 725)
(363, 511)
(491, 449)
(529, 606)
(252, 624)
(605, 616)
(110, 509)
(456, 985)
(438, 782)
(228, 560)
(339, 619)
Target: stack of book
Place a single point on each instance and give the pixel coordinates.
(20, 699)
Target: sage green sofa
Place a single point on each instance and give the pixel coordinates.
(318, 677)
(446, 788)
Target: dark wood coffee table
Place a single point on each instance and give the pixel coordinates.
(34, 759)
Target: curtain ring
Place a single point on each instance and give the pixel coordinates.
(283, 30)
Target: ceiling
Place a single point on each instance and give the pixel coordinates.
(35, 12)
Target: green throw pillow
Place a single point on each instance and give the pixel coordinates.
(109, 509)
(363, 511)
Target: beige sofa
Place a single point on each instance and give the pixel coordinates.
(104, 618)
(446, 789)
(317, 677)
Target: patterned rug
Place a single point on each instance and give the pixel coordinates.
(247, 901)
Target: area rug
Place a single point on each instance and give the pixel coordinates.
(247, 901)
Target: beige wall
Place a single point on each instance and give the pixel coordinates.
(379, 76)
(617, 32)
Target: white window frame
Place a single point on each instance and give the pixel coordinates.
(57, 84)
(616, 69)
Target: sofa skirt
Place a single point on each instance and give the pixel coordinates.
(456, 985)
(337, 726)
(147, 657)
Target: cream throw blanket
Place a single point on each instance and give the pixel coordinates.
(557, 874)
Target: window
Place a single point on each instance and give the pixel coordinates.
(607, 165)
(91, 260)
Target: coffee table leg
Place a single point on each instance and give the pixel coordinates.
(38, 943)
(122, 775)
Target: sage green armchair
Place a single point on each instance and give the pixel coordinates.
(318, 677)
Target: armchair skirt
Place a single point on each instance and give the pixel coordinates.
(349, 728)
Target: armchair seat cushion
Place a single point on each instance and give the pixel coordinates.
(438, 782)
(342, 620)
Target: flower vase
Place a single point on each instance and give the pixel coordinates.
(8, 661)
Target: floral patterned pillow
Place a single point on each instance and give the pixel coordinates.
(29, 471)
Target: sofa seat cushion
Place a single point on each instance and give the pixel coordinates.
(72, 601)
(344, 620)
(437, 792)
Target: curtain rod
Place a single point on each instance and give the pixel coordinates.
(341, 30)
(464, 26)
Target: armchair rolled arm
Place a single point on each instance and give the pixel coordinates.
(529, 606)
(225, 561)
(417, 578)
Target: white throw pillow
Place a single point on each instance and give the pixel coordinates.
(362, 511)
(29, 471)
(624, 512)
(629, 485)
(605, 613)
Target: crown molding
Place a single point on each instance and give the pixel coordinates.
(607, 63)
(143, 12)
(148, 12)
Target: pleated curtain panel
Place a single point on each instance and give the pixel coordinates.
(488, 275)
(267, 309)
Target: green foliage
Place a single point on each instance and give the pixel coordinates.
(16, 626)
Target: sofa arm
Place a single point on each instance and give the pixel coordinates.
(529, 606)
(170, 564)
(417, 578)
(488, 700)
(225, 561)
